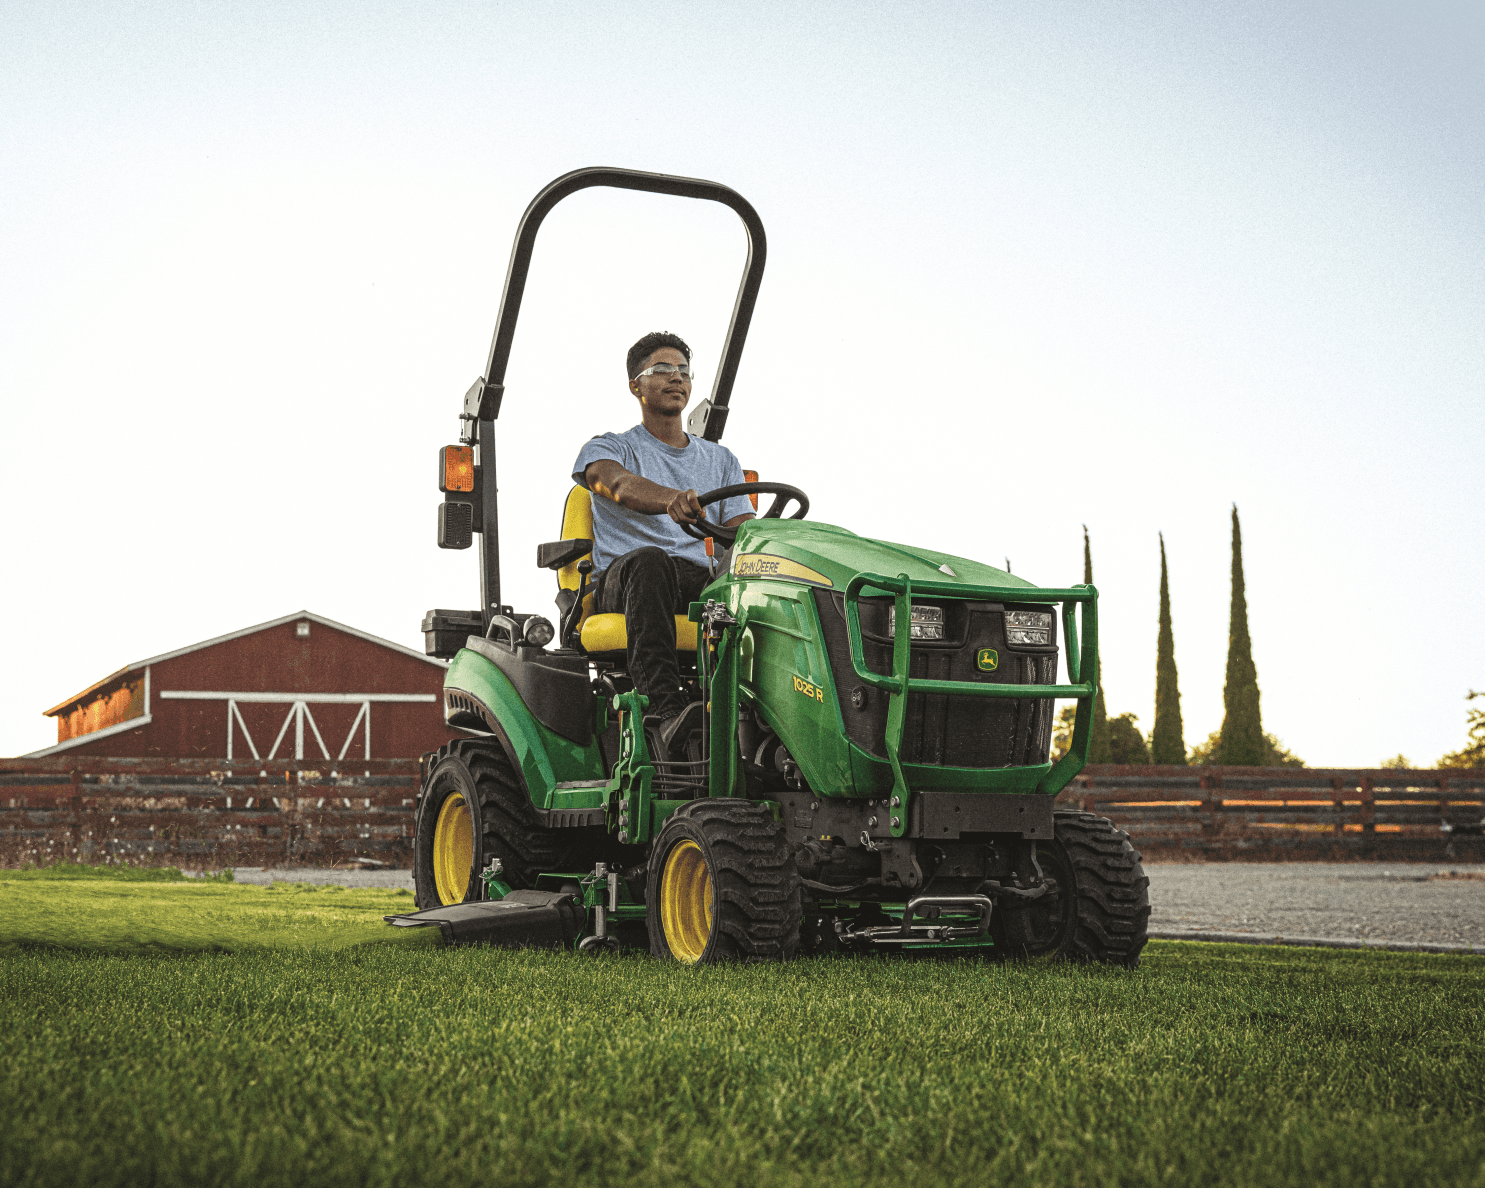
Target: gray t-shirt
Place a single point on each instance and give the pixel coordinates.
(702, 465)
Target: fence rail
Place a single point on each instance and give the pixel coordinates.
(1287, 813)
(212, 813)
(206, 812)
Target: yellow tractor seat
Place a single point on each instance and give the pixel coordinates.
(606, 633)
(598, 633)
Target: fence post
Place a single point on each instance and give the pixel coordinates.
(75, 809)
(1211, 827)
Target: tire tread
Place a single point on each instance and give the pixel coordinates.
(1111, 923)
(756, 890)
(510, 828)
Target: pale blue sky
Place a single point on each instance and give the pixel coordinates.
(1031, 266)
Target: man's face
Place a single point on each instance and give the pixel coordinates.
(666, 394)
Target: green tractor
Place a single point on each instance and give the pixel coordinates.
(873, 771)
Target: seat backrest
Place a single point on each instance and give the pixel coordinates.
(577, 524)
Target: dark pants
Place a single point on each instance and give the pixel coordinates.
(649, 587)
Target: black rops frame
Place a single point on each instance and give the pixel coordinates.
(482, 401)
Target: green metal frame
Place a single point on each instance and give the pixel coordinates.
(635, 811)
(1081, 664)
(716, 662)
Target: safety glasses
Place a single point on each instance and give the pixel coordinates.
(683, 370)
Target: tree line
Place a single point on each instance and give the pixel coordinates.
(1241, 741)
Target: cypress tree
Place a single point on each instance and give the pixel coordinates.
(1241, 742)
(1167, 740)
(1100, 749)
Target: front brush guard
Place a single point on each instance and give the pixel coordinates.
(1082, 667)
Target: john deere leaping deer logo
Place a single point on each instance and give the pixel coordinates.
(987, 659)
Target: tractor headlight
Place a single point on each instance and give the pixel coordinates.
(1028, 627)
(925, 622)
(539, 632)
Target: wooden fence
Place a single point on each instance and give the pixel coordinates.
(1285, 813)
(207, 813)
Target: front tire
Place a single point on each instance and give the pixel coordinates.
(474, 807)
(1101, 910)
(722, 886)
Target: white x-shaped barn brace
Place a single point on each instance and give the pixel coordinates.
(299, 714)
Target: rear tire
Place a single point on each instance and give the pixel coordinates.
(475, 807)
(1101, 910)
(722, 886)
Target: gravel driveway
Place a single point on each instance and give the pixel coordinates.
(1379, 903)
(354, 877)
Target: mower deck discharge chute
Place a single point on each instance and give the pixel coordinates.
(521, 920)
(872, 770)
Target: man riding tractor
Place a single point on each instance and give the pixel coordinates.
(813, 741)
(647, 568)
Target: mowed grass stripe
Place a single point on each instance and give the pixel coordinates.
(385, 1065)
(117, 917)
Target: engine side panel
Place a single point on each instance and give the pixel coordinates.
(784, 671)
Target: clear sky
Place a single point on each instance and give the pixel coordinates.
(1031, 266)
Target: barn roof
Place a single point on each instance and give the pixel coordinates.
(231, 635)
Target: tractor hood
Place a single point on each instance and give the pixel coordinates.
(823, 555)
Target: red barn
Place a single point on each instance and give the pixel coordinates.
(299, 687)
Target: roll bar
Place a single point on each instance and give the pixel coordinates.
(482, 401)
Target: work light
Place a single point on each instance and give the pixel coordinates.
(539, 632)
(925, 622)
(1028, 627)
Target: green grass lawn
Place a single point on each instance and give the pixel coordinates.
(193, 1034)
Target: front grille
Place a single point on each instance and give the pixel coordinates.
(944, 730)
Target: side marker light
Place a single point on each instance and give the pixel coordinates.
(456, 468)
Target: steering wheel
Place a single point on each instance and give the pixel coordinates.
(783, 494)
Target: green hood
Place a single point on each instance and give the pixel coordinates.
(836, 555)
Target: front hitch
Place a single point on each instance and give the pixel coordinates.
(930, 907)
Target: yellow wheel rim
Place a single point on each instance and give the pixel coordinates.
(686, 902)
(453, 849)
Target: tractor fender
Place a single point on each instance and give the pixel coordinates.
(556, 688)
(479, 696)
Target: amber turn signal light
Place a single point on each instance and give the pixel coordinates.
(751, 476)
(456, 468)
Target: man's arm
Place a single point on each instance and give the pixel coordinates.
(607, 478)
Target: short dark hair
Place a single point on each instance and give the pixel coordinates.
(651, 343)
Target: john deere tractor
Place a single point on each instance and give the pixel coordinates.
(873, 770)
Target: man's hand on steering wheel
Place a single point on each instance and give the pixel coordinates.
(724, 535)
(685, 508)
